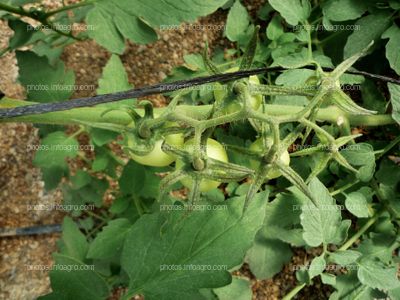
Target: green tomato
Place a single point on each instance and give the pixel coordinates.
(157, 157)
(255, 101)
(214, 150)
(258, 146)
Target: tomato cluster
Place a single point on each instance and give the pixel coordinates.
(158, 158)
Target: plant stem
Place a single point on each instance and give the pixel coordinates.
(15, 10)
(388, 147)
(93, 114)
(345, 187)
(294, 292)
(360, 232)
(94, 215)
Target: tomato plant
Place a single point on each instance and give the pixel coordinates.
(295, 100)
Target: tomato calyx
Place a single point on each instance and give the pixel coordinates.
(270, 157)
(205, 173)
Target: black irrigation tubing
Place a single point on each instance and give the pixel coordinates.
(369, 75)
(158, 88)
(33, 230)
(151, 90)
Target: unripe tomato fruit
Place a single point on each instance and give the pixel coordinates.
(157, 157)
(258, 146)
(255, 101)
(214, 150)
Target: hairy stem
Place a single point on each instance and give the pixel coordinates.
(93, 114)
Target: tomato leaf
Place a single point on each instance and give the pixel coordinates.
(392, 47)
(357, 204)
(161, 263)
(395, 99)
(73, 243)
(267, 256)
(345, 257)
(321, 222)
(376, 275)
(343, 10)
(108, 243)
(237, 22)
(82, 282)
(114, 79)
(361, 155)
(239, 289)
(317, 266)
(43, 82)
(293, 11)
(370, 28)
(114, 21)
(54, 149)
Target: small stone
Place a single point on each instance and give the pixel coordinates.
(162, 75)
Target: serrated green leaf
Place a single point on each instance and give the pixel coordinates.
(80, 179)
(237, 22)
(293, 61)
(283, 214)
(375, 274)
(394, 90)
(44, 83)
(348, 287)
(369, 28)
(194, 62)
(73, 243)
(94, 192)
(100, 163)
(274, 28)
(100, 137)
(114, 79)
(377, 247)
(357, 204)
(317, 266)
(22, 33)
(239, 289)
(320, 223)
(158, 263)
(361, 155)
(344, 258)
(108, 243)
(267, 256)
(113, 21)
(392, 47)
(71, 279)
(342, 232)
(372, 97)
(388, 173)
(293, 11)
(343, 10)
(133, 178)
(54, 149)
(52, 177)
(394, 293)
(327, 278)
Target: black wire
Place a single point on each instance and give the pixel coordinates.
(134, 93)
(152, 90)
